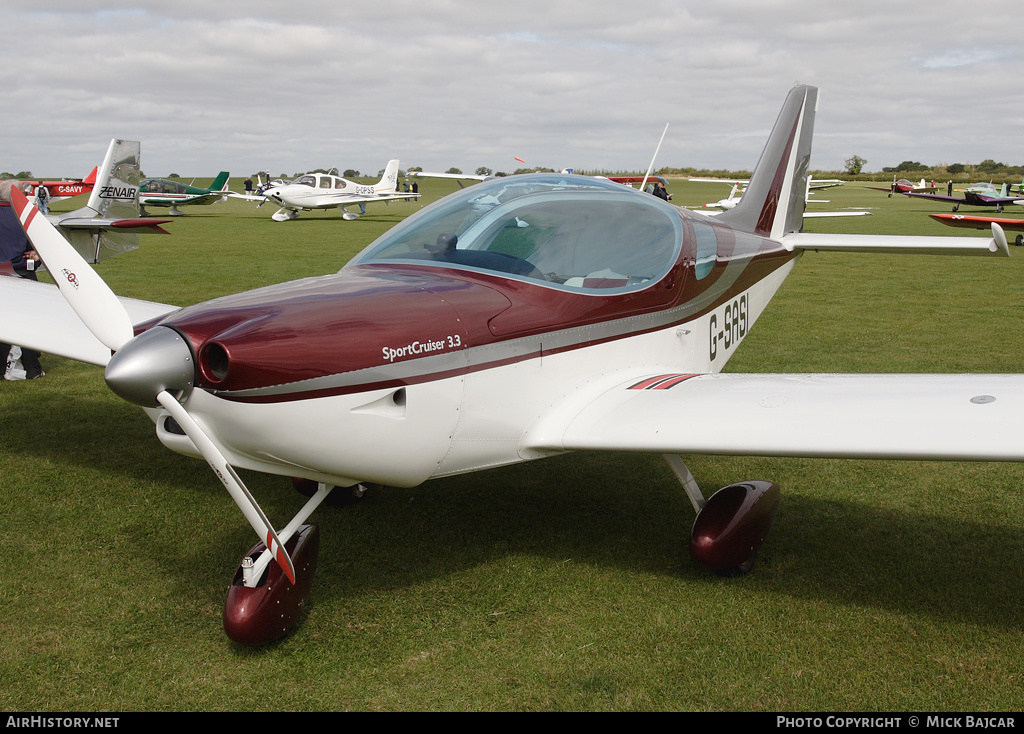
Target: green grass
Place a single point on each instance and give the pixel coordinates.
(556, 585)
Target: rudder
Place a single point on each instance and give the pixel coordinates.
(775, 199)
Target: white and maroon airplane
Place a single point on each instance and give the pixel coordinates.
(516, 319)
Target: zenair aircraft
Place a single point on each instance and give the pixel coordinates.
(109, 224)
(326, 191)
(168, 193)
(514, 320)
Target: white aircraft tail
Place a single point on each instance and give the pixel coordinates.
(116, 193)
(774, 201)
(388, 183)
(114, 196)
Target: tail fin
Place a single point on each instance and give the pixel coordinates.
(221, 182)
(389, 181)
(116, 193)
(91, 178)
(774, 201)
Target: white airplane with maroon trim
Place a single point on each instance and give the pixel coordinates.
(516, 319)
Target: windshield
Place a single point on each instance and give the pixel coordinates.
(573, 232)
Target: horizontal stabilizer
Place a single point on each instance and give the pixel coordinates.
(893, 244)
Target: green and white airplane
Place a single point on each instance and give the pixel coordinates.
(164, 192)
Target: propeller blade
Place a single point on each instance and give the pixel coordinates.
(231, 481)
(83, 289)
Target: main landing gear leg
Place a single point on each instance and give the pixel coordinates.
(732, 524)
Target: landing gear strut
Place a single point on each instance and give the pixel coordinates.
(732, 524)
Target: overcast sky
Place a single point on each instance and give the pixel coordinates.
(291, 86)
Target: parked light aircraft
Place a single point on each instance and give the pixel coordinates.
(903, 186)
(109, 223)
(739, 186)
(979, 194)
(326, 191)
(169, 193)
(965, 221)
(514, 320)
(66, 188)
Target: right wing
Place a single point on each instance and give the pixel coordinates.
(40, 318)
(866, 416)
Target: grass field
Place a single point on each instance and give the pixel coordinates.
(564, 584)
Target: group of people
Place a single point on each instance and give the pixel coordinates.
(15, 248)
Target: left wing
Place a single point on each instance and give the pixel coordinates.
(934, 197)
(876, 416)
(41, 319)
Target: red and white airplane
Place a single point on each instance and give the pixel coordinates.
(966, 221)
(903, 186)
(514, 320)
(66, 188)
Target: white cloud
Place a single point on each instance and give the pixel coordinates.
(587, 83)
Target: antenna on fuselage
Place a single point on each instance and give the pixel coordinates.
(651, 167)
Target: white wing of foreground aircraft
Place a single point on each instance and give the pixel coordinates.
(517, 319)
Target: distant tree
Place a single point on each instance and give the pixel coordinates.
(990, 166)
(956, 168)
(416, 168)
(453, 169)
(855, 164)
(350, 173)
(483, 171)
(907, 166)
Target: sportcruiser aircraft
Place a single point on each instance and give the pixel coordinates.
(511, 321)
(169, 193)
(327, 191)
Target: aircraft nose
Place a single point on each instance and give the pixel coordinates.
(156, 360)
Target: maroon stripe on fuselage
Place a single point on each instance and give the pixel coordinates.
(771, 203)
(328, 336)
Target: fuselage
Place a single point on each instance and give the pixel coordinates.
(319, 191)
(449, 352)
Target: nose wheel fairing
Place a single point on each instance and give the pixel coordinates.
(263, 613)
